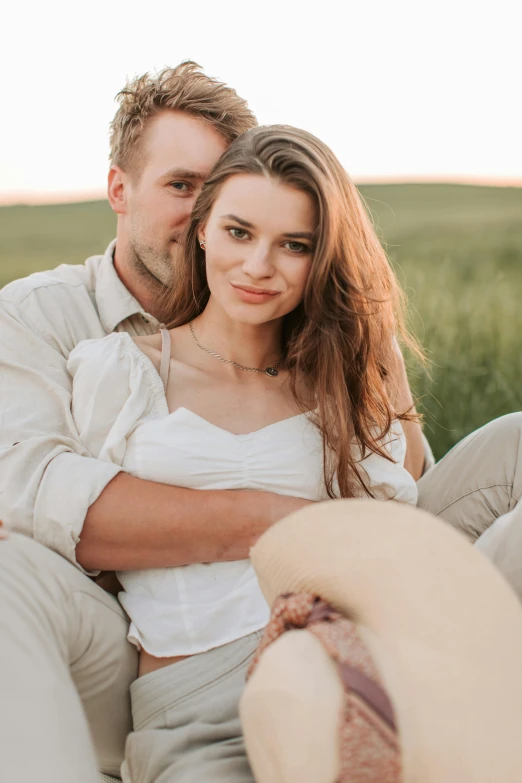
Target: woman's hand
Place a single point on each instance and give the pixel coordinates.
(3, 531)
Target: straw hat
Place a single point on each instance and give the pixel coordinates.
(442, 626)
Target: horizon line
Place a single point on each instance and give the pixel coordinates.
(29, 198)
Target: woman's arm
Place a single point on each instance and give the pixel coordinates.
(402, 402)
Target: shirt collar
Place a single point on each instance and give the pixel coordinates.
(114, 301)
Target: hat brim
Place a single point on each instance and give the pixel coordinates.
(443, 627)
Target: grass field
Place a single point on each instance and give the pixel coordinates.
(456, 249)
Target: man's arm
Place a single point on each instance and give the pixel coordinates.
(52, 490)
(142, 524)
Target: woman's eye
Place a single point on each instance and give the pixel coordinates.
(181, 187)
(238, 233)
(297, 247)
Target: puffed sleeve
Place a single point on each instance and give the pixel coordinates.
(115, 386)
(390, 480)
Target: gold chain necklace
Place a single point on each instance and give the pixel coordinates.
(271, 371)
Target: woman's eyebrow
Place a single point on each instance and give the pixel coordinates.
(292, 235)
(239, 220)
(300, 235)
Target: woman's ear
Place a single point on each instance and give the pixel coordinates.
(201, 237)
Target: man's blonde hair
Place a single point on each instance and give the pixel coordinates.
(183, 88)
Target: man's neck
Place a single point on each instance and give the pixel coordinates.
(140, 283)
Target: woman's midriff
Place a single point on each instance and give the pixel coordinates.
(149, 663)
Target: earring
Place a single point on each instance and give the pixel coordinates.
(202, 245)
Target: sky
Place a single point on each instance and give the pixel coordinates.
(400, 90)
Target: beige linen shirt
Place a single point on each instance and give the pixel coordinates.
(48, 479)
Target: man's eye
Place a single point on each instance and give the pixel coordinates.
(297, 247)
(238, 233)
(182, 187)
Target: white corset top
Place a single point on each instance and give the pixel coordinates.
(189, 609)
(121, 413)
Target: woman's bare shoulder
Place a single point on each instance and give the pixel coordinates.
(150, 345)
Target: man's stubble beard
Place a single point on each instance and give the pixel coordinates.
(152, 266)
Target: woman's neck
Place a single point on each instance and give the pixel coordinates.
(252, 345)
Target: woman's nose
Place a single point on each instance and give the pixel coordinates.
(258, 262)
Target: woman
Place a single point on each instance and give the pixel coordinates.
(278, 372)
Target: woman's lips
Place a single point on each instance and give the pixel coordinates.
(254, 295)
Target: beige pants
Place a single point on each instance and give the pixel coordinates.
(66, 669)
(186, 719)
(476, 488)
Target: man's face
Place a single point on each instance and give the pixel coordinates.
(177, 155)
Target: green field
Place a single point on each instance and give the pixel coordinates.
(457, 251)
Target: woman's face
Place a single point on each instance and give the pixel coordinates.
(259, 247)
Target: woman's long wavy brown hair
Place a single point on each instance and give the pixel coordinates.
(339, 343)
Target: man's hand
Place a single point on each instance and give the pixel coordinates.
(284, 505)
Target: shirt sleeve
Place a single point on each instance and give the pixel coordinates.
(48, 479)
(390, 480)
(114, 386)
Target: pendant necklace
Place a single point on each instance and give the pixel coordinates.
(271, 371)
